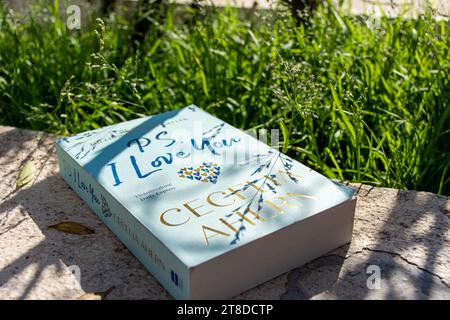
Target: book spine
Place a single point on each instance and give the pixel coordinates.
(154, 255)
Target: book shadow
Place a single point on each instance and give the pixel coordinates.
(314, 277)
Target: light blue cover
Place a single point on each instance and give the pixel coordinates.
(183, 187)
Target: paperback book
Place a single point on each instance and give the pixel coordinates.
(208, 209)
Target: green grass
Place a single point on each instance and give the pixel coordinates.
(353, 101)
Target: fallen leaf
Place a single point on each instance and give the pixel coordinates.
(72, 227)
(96, 295)
(26, 174)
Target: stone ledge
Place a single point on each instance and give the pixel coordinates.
(405, 233)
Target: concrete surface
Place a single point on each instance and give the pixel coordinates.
(403, 233)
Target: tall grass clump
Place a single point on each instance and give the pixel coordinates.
(356, 98)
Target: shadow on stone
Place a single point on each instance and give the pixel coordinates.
(39, 263)
(409, 249)
(403, 233)
(315, 277)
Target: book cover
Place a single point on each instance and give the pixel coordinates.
(207, 208)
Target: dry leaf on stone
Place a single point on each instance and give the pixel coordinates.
(96, 295)
(26, 174)
(72, 227)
